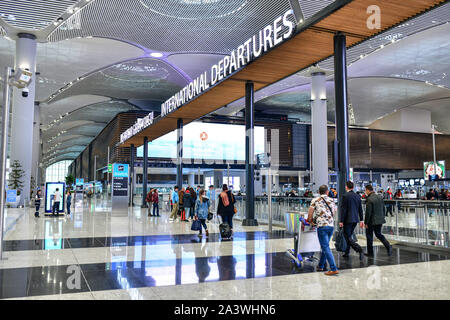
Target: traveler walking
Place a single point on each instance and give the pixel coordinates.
(225, 207)
(351, 215)
(202, 210)
(148, 199)
(321, 214)
(187, 200)
(193, 201)
(56, 202)
(68, 201)
(211, 194)
(398, 196)
(181, 211)
(173, 215)
(388, 197)
(374, 220)
(155, 201)
(37, 202)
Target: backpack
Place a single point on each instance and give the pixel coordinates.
(224, 197)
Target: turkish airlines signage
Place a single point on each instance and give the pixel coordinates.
(139, 125)
(273, 34)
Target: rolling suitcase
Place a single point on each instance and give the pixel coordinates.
(225, 231)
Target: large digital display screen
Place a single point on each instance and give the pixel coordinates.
(206, 141)
(429, 169)
(50, 189)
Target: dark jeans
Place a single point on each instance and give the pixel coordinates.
(68, 207)
(389, 209)
(229, 220)
(156, 207)
(55, 207)
(369, 235)
(348, 231)
(189, 212)
(325, 234)
(37, 209)
(203, 222)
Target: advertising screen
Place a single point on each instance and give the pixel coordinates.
(207, 141)
(428, 169)
(50, 189)
(120, 170)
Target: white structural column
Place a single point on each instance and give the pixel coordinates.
(23, 112)
(191, 179)
(36, 145)
(319, 129)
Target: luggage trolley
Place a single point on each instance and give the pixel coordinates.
(306, 242)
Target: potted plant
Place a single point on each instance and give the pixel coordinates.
(15, 178)
(70, 181)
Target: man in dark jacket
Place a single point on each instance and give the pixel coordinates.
(374, 220)
(351, 214)
(187, 202)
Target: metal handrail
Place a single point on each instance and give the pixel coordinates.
(424, 222)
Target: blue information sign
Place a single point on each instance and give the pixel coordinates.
(120, 170)
(11, 195)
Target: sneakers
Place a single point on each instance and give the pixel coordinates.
(331, 273)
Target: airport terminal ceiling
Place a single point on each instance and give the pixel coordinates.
(87, 71)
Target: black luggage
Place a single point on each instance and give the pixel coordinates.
(225, 231)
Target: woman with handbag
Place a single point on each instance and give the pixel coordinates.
(226, 207)
(202, 210)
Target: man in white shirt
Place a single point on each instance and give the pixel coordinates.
(56, 202)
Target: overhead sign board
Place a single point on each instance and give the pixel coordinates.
(273, 34)
(139, 125)
(429, 170)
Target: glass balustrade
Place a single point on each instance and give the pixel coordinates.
(412, 221)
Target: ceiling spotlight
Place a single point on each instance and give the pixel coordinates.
(70, 10)
(156, 54)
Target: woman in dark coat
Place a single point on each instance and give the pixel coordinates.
(225, 207)
(188, 203)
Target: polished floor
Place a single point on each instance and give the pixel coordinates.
(96, 254)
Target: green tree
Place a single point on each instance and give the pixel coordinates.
(69, 181)
(15, 177)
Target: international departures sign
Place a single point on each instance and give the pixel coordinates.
(268, 37)
(273, 34)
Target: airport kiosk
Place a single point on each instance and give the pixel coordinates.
(50, 188)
